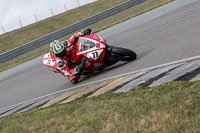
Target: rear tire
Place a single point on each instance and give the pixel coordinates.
(122, 54)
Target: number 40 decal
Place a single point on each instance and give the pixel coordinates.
(95, 55)
(49, 62)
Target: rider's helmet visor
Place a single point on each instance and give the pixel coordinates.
(61, 54)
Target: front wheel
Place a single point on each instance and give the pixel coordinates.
(122, 54)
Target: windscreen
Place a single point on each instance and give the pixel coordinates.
(85, 44)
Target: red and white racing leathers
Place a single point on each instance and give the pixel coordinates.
(63, 65)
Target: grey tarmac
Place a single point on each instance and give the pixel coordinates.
(163, 35)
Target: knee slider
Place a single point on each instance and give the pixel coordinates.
(60, 64)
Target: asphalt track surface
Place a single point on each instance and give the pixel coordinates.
(166, 34)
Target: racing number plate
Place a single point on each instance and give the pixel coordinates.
(47, 60)
(95, 54)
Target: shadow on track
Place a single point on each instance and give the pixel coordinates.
(90, 76)
(144, 53)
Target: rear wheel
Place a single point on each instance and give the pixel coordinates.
(121, 54)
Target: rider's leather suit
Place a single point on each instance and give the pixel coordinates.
(65, 65)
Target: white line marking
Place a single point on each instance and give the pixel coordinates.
(125, 74)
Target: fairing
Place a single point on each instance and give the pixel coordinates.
(92, 46)
(48, 61)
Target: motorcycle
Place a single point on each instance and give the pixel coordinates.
(100, 55)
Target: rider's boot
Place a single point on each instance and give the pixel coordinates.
(73, 79)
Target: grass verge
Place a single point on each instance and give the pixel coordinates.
(20, 36)
(172, 107)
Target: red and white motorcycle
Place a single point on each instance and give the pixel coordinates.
(99, 53)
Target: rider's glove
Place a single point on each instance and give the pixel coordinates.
(86, 32)
(66, 43)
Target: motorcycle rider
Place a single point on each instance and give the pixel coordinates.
(60, 51)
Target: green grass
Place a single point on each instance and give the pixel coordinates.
(171, 108)
(18, 37)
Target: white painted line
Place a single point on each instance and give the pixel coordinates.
(125, 74)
